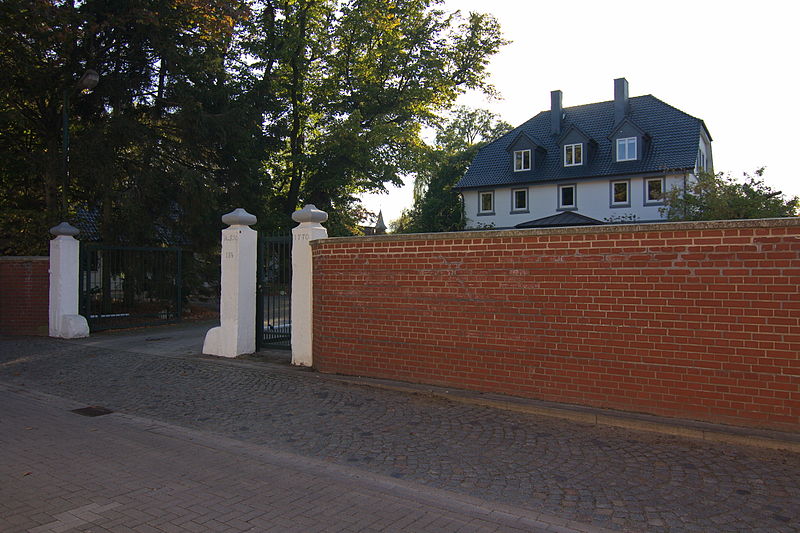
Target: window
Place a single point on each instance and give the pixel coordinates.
(486, 203)
(626, 149)
(519, 200)
(701, 160)
(566, 197)
(573, 155)
(620, 193)
(654, 191)
(522, 160)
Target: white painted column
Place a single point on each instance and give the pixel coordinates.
(236, 334)
(64, 321)
(310, 229)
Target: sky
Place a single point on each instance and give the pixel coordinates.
(731, 63)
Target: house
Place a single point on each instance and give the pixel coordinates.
(588, 164)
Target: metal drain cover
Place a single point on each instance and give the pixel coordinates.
(92, 410)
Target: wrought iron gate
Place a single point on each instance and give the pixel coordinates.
(274, 294)
(124, 286)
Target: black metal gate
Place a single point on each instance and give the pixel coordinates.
(274, 295)
(125, 286)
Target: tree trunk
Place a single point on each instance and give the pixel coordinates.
(297, 96)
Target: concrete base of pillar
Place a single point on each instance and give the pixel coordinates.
(71, 327)
(222, 343)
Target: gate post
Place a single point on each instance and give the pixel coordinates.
(302, 269)
(236, 334)
(64, 320)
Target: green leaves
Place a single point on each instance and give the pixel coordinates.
(207, 104)
(722, 197)
(163, 134)
(354, 82)
(436, 206)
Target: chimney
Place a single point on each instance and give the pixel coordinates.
(620, 99)
(555, 112)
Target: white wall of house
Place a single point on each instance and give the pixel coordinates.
(593, 199)
(705, 161)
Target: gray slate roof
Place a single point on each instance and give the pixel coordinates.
(88, 222)
(674, 138)
(567, 218)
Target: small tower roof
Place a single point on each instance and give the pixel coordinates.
(380, 225)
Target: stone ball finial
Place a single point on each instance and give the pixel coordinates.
(239, 217)
(310, 213)
(64, 229)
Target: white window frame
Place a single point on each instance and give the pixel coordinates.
(627, 202)
(647, 200)
(627, 142)
(570, 148)
(481, 210)
(574, 204)
(522, 167)
(514, 207)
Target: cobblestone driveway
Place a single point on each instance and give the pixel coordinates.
(609, 477)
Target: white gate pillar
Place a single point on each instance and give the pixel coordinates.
(64, 320)
(236, 334)
(310, 229)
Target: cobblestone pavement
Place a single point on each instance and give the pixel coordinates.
(121, 473)
(608, 477)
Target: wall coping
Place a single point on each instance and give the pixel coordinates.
(571, 230)
(23, 258)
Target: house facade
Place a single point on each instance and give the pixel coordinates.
(589, 164)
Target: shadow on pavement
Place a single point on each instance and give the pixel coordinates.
(183, 339)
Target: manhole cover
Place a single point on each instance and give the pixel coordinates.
(92, 410)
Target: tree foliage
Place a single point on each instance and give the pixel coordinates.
(206, 105)
(722, 197)
(355, 82)
(436, 206)
(145, 144)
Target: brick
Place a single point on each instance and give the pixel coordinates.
(24, 286)
(618, 319)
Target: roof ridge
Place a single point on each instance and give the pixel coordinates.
(672, 106)
(612, 101)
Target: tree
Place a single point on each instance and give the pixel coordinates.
(722, 197)
(150, 141)
(356, 80)
(204, 105)
(436, 206)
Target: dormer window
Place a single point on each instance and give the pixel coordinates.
(522, 160)
(523, 151)
(573, 155)
(626, 149)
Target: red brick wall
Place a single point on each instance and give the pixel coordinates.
(689, 320)
(24, 295)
